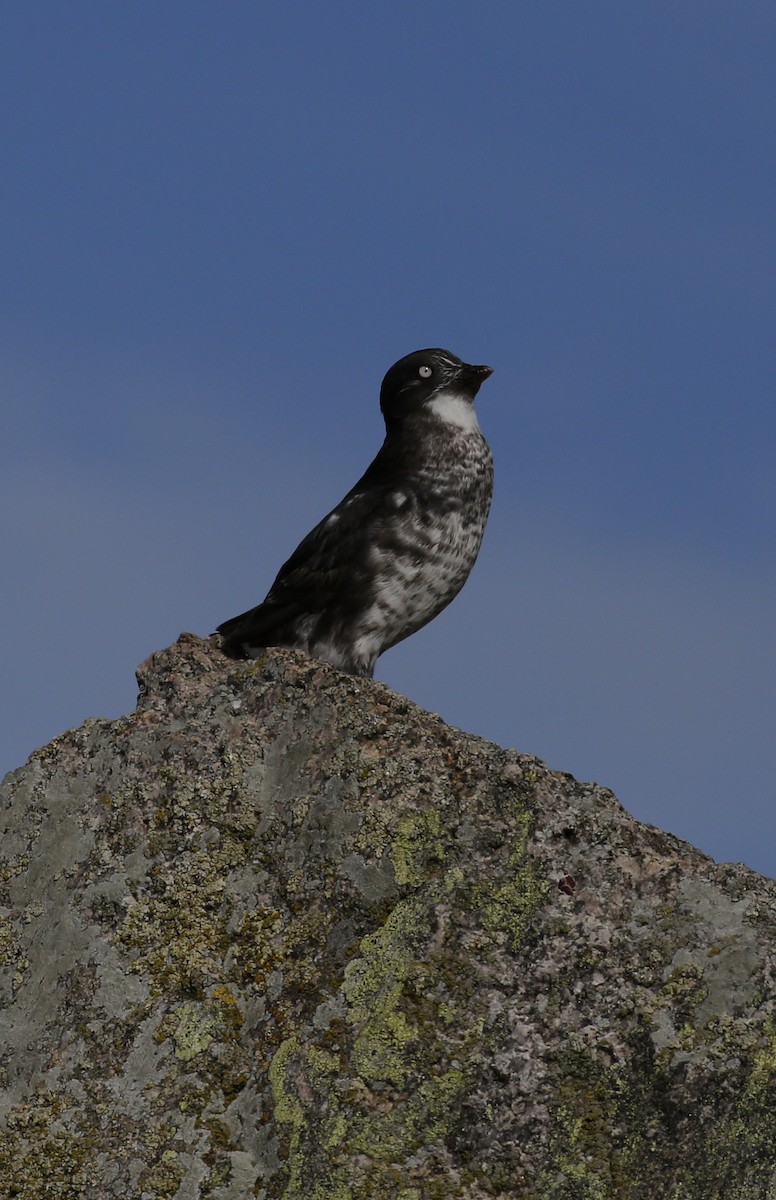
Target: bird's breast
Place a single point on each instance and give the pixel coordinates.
(427, 545)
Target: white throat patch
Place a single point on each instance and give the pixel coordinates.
(454, 409)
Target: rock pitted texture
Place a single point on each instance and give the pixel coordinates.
(279, 933)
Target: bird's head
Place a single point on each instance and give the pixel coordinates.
(434, 380)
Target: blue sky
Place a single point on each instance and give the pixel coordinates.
(223, 222)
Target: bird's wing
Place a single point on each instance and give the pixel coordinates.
(326, 568)
(336, 548)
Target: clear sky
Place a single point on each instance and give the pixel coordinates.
(221, 223)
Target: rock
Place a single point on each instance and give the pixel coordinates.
(280, 933)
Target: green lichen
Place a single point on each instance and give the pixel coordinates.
(193, 1031)
(40, 1158)
(394, 1087)
(231, 1011)
(615, 1129)
(164, 1178)
(508, 899)
(586, 1162)
(384, 1094)
(178, 932)
(291, 1066)
(332, 1128)
(373, 987)
(12, 956)
(418, 844)
(37, 1160)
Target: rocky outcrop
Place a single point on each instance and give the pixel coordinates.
(279, 933)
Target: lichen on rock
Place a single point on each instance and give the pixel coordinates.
(281, 934)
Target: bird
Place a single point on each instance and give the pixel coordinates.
(401, 544)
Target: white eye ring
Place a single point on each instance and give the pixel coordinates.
(425, 372)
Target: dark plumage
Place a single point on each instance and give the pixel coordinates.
(399, 547)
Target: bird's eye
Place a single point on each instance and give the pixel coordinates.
(425, 372)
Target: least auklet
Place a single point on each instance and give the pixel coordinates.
(399, 547)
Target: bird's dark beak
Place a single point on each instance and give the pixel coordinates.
(474, 376)
(479, 372)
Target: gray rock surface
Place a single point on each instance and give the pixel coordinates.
(280, 933)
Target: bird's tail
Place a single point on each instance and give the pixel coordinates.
(264, 625)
